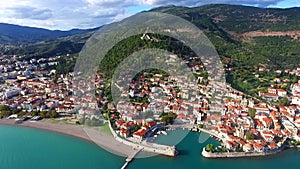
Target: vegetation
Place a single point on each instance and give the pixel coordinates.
(210, 148)
(237, 18)
(49, 114)
(168, 118)
(201, 126)
(252, 112)
(250, 136)
(5, 111)
(224, 25)
(128, 46)
(296, 143)
(284, 101)
(224, 28)
(105, 128)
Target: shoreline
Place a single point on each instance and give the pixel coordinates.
(47, 125)
(206, 154)
(89, 134)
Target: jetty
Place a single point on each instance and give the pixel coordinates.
(130, 158)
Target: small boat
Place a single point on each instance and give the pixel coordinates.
(163, 132)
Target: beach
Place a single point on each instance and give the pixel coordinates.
(90, 134)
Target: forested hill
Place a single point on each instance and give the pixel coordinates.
(237, 18)
(267, 36)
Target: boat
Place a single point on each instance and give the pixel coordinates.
(163, 132)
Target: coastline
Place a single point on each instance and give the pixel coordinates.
(206, 154)
(89, 134)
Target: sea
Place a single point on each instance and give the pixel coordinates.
(27, 148)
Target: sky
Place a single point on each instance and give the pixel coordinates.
(69, 14)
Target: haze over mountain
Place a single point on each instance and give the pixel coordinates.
(15, 34)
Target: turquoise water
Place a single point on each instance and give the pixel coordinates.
(190, 157)
(25, 148)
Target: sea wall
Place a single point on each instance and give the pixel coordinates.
(239, 154)
(145, 146)
(212, 134)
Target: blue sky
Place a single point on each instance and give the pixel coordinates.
(68, 14)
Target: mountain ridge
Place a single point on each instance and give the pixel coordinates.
(16, 34)
(226, 27)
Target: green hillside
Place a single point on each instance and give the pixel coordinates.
(226, 24)
(231, 28)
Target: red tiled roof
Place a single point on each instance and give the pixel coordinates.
(140, 132)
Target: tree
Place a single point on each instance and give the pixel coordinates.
(250, 136)
(284, 101)
(168, 118)
(201, 126)
(210, 148)
(55, 79)
(4, 107)
(136, 128)
(5, 111)
(34, 113)
(53, 114)
(251, 112)
(49, 114)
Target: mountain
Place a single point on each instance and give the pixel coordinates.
(252, 36)
(15, 34)
(238, 18)
(266, 36)
(245, 38)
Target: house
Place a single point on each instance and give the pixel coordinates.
(269, 96)
(119, 123)
(231, 145)
(140, 134)
(261, 109)
(267, 135)
(272, 145)
(296, 100)
(127, 126)
(267, 122)
(151, 125)
(281, 92)
(272, 90)
(247, 147)
(258, 147)
(124, 133)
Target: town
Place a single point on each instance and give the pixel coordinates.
(156, 100)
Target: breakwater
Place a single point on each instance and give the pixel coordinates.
(239, 154)
(146, 146)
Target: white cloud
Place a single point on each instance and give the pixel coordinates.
(66, 14)
(63, 14)
(30, 13)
